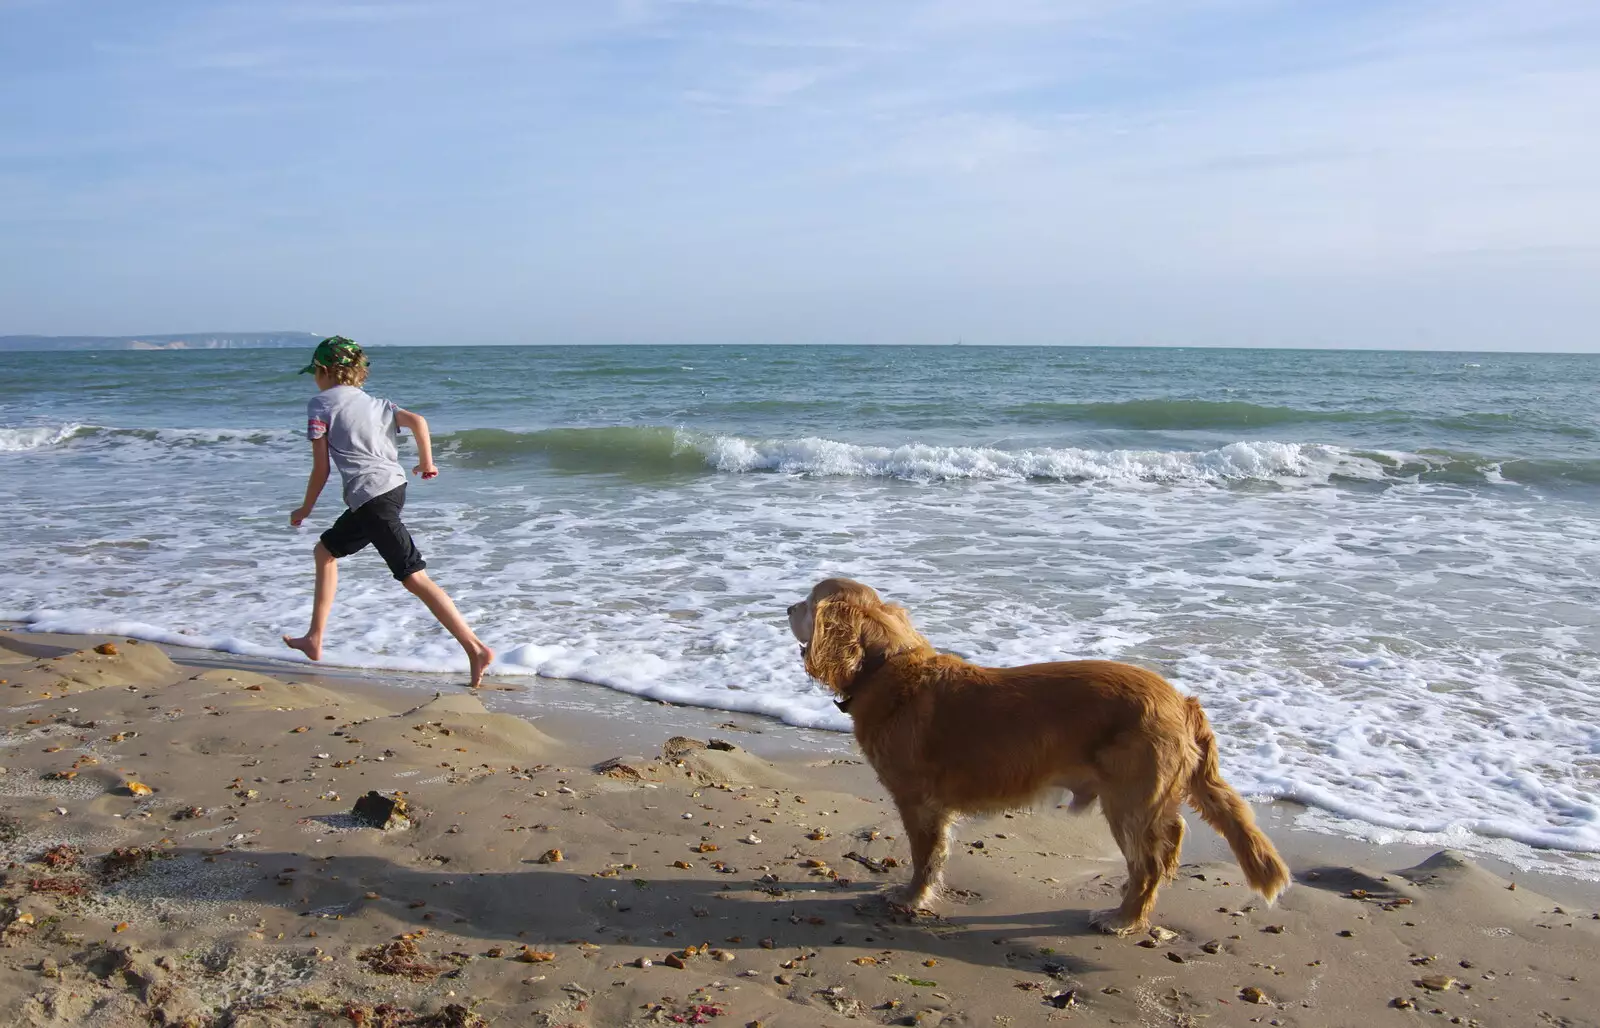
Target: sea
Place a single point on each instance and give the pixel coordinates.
(1379, 571)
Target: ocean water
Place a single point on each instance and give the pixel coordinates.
(1379, 571)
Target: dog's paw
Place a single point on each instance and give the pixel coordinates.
(909, 900)
(1114, 922)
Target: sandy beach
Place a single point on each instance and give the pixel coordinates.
(180, 849)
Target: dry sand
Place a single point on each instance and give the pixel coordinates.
(533, 884)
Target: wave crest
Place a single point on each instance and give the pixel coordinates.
(656, 451)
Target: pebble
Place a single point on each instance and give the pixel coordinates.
(1251, 994)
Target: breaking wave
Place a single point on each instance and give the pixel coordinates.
(663, 451)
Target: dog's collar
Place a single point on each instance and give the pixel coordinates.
(869, 667)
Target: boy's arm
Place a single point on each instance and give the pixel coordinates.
(417, 425)
(314, 484)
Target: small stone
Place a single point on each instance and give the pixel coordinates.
(1273, 929)
(1162, 935)
(380, 811)
(1251, 994)
(1176, 958)
(106, 649)
(1437, 982)
(551, 857)
(1401, 1003)
(644, 962)
(674, 961)
(137, 788)
(535, 956)
(1212, 946)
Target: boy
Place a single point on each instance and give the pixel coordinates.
(359, 433)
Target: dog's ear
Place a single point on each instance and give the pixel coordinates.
(835, 654)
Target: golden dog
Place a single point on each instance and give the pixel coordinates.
(948, 737)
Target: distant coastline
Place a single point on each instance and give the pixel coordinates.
(164, 341)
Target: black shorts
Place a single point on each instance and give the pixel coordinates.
(377, 522)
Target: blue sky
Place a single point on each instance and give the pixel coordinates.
(1207, 172)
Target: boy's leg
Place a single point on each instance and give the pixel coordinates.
(392, 539)
(438, 601)
(345, 536)
(321, 604)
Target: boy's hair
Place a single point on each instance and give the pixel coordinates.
(342, 359)
(346, 374)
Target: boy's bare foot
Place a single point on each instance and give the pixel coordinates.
(305, 644)
(477, 661)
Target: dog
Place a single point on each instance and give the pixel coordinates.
(948, 737)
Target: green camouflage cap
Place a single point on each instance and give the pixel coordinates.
(336, 352)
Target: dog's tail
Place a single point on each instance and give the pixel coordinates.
(1225, 810)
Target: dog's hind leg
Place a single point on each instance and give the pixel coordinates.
(928, 828)
(1169, 843)
(1141, 838)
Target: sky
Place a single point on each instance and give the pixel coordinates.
(1324, 173)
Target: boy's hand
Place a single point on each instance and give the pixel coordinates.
(298, 515)
(426, 470)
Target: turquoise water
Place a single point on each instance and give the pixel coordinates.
(1380, 571)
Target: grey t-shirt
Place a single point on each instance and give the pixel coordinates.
(362, 441)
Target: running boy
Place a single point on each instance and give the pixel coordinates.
(359, 433)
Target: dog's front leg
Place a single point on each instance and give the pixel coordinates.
(928, 828)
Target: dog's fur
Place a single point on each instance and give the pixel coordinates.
(947, 737)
